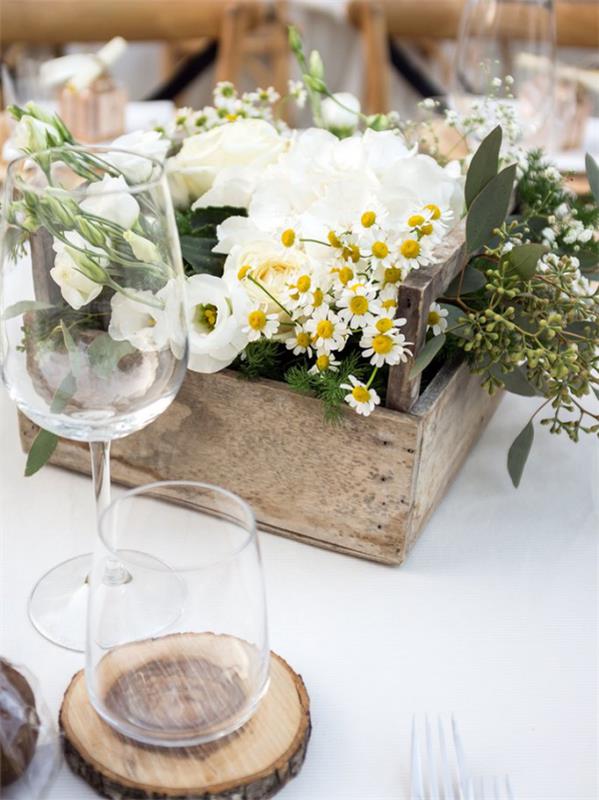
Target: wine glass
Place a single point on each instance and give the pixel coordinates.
(93, 338)
(202, 675)
(506, 52)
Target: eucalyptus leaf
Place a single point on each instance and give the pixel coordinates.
(515, 381)
(426, 355)
(518, 453)
(593, 175)
(489, 209)
(589, 262)
(24, 306)
(76, 357)
(463, 329)
(484, 165)
(197, 252)
(525, 257)
(64, 393)
(42, 448)
(104, 354)
(468, 282)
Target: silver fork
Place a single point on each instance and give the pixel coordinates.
(491, 789)
(438, 765)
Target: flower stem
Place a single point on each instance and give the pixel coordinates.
(266, 292)
(372, 376)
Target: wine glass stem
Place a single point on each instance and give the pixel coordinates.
(115, 573)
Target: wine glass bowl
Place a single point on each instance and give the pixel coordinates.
(202, 676)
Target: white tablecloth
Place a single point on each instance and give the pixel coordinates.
(493, 618)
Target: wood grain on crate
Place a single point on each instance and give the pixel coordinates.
(363, 487)
(255, 762)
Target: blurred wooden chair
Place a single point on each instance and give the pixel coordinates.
(225, 22)
(380, 20)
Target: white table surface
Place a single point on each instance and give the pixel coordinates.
(493, 618)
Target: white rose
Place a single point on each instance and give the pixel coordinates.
(142, 248)
(143, 322)
(273, 266)
(244, 143)
(110, 199)
(215, 316)
(77, 289)
(147, 145)
(341, 121)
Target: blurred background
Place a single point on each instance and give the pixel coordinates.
(389, 53)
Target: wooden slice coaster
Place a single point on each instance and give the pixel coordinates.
(251, 764)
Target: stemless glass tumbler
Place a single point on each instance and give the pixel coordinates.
(197, 582)
(93, 337)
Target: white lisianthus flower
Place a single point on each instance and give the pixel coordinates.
(32, 135)
(340, 113)
(214, 314)
(144, 322)
(76, 288)
(110, 199)
(143, 248)
(238, 145)
(147, 145)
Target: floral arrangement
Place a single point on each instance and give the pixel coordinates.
(296, 244)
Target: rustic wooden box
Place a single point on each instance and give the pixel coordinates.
(363, 487)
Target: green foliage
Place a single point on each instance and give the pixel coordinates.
(489, 209)
(426, 354)
(41, 450)
(519, 452)
(261, 359)
(593, 175)
(484, 165)
(197, 235)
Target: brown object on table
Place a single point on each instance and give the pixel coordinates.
(255, 762)
(96, 113)
(19, 724)
(577, 23)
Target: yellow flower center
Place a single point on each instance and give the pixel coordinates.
(345, 275)
(303, 339)
(410, 248)
(205, 316)
(382, 344)
(304, 283)
(415, 220)
(368, 219)
(317, 298)
(288, 237)
(333, 239)
(322, 363)
(380, 250)
(360, 394)
(232, 117)
(257, 320)
(435, 210)
(243, 272)
(151, 322)
(384, 324)
(351, 253)
(392, 275)
(434, 318)
(325, 329)
(427, 229)
(358, 304)
(389, 304)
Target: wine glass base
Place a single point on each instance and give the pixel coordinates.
(57, 605)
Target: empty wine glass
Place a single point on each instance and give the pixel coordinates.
(506, 51)
(203, 675)
(92, 332)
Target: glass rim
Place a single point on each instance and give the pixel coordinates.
(146, 489)
(134, 188)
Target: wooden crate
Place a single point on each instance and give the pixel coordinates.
(363, 487)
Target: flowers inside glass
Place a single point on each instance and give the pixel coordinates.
(203, 673)
(93, 338)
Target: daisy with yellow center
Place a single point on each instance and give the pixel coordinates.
(300, 292)
(361, 397)
(342, 275)
(437, 322)
(328, 331)
(325, 362)
(316, 300)
(384, 347)
(259, 323)
(357, 305)
(300, 341)
(288, 237)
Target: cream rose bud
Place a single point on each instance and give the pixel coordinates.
(143, 248)
(341, 121)
(214, 311)
(111, 200)
(143, 146)
(239, 144)
(76, 288)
